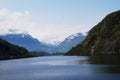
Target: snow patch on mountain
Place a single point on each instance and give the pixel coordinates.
(71, 37)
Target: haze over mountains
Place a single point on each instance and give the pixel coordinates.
(32, 44)
(104, 38)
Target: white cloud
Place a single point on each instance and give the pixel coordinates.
(44, 32)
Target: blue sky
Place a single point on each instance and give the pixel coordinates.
(53, 20)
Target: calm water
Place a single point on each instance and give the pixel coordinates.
(57, 68)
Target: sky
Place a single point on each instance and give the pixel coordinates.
(53, 20)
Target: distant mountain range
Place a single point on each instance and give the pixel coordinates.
(33, 44)
(25, 40)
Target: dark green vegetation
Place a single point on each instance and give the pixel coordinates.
(104, 38)
(35, 53)
(11, 51)
(57, 53)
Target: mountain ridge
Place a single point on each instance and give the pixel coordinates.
(104, 38)
(33, 44)
(24, 40)
(70, 42)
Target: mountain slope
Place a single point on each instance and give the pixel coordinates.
(104, 38)
(26, 41)
(70, 42)
(9, 51)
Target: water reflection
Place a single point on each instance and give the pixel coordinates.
(62, 68)
(111, 63)
(105, 59)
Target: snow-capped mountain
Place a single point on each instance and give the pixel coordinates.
(70, 42)
(27, 41)
(74, 37)
(33, 44)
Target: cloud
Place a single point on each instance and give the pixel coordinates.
(23, 22)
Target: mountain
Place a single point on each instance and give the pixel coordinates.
(70, 42)
(9, 51)
(104, 38)
(27, 41)
(32, 44)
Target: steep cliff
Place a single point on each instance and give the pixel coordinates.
(104, 38)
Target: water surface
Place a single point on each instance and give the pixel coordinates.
(57, 68)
